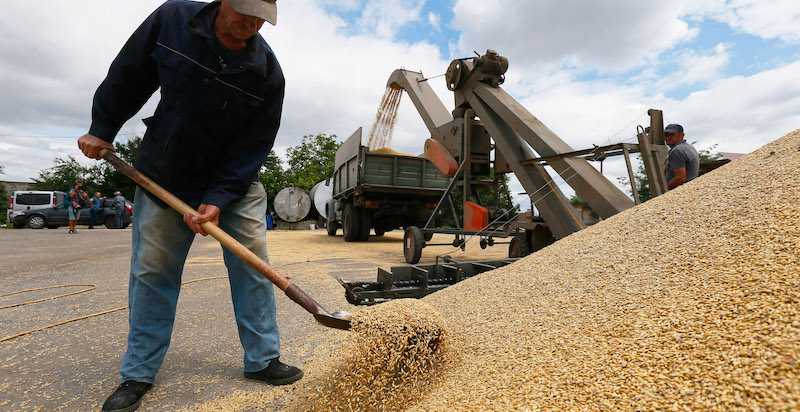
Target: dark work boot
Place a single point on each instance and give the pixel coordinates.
(276, 373)
(127, 397)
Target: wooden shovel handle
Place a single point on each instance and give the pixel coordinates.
(227, 240)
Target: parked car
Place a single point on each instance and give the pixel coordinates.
(58, 215)
(26, 200)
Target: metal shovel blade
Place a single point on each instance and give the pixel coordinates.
(333, 320)
(321, 315)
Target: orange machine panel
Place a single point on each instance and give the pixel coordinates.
(441, 157)
(476, 217)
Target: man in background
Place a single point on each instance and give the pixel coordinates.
(77, 198)
(95, 208)
(683, 162)
(119, 209)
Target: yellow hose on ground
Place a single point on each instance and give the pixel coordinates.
(50, 298)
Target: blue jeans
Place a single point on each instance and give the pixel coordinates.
(161, 241)
(118, 218)
(94, 213)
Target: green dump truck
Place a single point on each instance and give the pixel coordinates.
(381, 190)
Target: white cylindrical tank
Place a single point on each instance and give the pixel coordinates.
(320, 194)
(292, 204)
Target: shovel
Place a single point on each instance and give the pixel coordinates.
(292, 291)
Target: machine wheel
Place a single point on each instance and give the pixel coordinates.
(365, 224)
(379, 231)
(427, 237)
(331, 223)
(413, 244)
(350, 223)
(519, 247)
(36, 222)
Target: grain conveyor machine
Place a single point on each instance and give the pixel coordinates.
(489, 134)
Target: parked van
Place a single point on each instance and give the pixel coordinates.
(24, 200)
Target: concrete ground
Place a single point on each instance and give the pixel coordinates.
(74, 366)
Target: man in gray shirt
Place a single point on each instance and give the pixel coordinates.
(683, 162)
(119, 209)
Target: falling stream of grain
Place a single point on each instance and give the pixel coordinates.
(380, 136)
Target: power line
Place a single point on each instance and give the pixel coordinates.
(38, 136)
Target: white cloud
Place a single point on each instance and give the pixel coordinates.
(435, 21)
(768, 19)
(740, 114)
(610, 36)
(695, 68)
(385, 17)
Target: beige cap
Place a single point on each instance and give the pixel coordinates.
(263, 9)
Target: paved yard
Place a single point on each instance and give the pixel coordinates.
(74, 366)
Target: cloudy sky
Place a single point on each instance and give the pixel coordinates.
(726, 70)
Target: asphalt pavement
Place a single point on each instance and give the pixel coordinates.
(74, 366)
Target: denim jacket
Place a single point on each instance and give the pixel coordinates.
(213, 126)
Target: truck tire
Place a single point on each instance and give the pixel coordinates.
(365, 225)
(330, 222)
(110, 222)
(412, 245)
(351, 223)
(519, 247)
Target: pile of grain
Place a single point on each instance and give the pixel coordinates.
(387, 150)
(380, 135)
(390, 359)
(690, 301)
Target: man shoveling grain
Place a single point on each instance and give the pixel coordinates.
(221, 97)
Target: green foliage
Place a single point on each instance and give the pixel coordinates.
(112, 179)
(311, 161)
(643, 184)
(4, 199)
(272, 176)
(99, 177)
(63, 174)
(706, 155)
(578, 202)
(486, 198)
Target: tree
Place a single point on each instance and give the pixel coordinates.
(578, 202)
(4, 199)
(100, 177)
(486, 197)
(643, 184)
(312, 161)
(112, 179)
(272, 175)
(63, 174)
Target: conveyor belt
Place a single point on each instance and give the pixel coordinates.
(416, 281)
